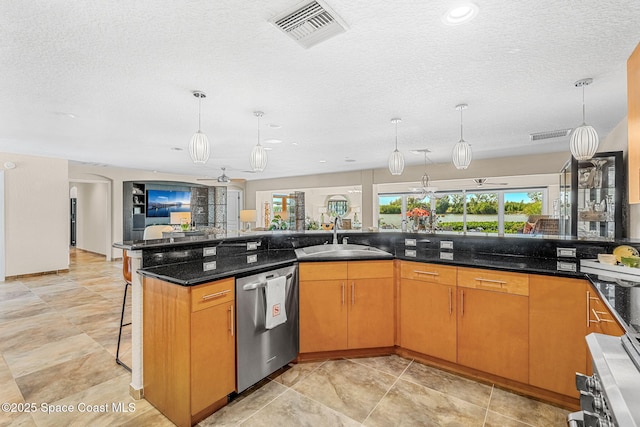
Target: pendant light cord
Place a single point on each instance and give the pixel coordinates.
(583, 120)
(461, 138)
(199, 112)
(258, 129)
(396, 135)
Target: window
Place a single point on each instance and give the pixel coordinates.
(477, 212)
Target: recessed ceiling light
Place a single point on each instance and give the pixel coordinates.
(294, 143)
(322, 161)
(274, 126)
(460, 13)
(176, 148)
(348, 160)
(272, 141)
(268, 148)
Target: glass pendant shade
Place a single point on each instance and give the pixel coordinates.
(461, 155)
(584, 142)
(199, 148)
(396, 163)
(258, 158)
(584, 139)
(396, 160)
(199, 144)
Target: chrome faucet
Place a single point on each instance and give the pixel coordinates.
(336, 223)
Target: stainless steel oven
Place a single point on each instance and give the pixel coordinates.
(261, 351)
(611, 396)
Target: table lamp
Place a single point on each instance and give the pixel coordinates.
(248, 216)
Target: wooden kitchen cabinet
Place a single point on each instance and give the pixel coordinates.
(493, 322)
(346, 305)
(557, 329)
(633, 124)
(428, 309)
(188, 348)
(599, 319)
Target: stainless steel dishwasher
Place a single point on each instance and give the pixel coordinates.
(261, 351)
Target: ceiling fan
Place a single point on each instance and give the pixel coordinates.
(481, 182)
(222, 179)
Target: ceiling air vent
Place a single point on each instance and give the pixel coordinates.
(310, 23)
(549, 134)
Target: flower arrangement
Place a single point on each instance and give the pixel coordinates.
(423, 219)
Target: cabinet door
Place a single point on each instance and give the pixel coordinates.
(600, 319)
(428, 318)
(493, 333)
(323, 315)
(213, 374)
(557, 329)
(371, 308)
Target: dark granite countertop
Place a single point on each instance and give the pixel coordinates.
(197, 272)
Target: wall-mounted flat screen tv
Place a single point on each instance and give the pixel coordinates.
(160, 203)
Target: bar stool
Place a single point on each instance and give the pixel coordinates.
(126, 272)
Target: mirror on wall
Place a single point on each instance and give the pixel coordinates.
(338, 205)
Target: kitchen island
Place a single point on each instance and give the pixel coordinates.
(532, 325)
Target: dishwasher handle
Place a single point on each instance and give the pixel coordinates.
(258, 285)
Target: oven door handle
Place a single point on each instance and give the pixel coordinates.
(258, 285)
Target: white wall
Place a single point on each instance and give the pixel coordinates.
(91, 219)
(36, 214)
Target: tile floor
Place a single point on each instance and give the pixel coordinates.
(58, 337)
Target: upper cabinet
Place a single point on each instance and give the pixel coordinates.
(592, 199)
(633, 99)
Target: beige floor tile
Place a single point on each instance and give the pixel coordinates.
(496, 420)
(17, 419)
(293, 409)
(29, 333)
(21, 307)
(245, 405)
(294, 372)
(107, 403)
(50, 354)
(346, 387)
(393, 365)
(58, 381)
(409, 404)
(447, 383)
(527, 410)
(12, 290)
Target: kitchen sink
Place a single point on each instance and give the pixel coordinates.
(341, 251)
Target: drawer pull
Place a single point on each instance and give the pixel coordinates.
(216, 295)
(598, 318)
(430, 273)
(491, 282)
(231, 327)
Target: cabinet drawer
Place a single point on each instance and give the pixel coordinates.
(210, 294)
(370, 269)
(323, 270)
(490, 280)
(434, 273)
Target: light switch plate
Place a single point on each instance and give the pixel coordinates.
(209, 251)
(208, 266)
(252, 258)
(410, 253)
(446, 244)
(252, 246)
(410, 242)
(566, 252)
(446, 255)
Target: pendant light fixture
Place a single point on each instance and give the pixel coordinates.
(396, 161)
(584, 139)
(258, 157)
(199, 145)
(462, 150)
(427, 188)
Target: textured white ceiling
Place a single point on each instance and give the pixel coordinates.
(125, 71)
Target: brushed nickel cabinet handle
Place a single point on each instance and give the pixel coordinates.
(216, 295)
(342, 286)
(430, 273)
(588, 309)
(231, 319)
(598, 318)
(491, 282)
(353, 293)
(450, 302)
(462, 303)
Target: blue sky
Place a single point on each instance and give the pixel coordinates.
(508, 197)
